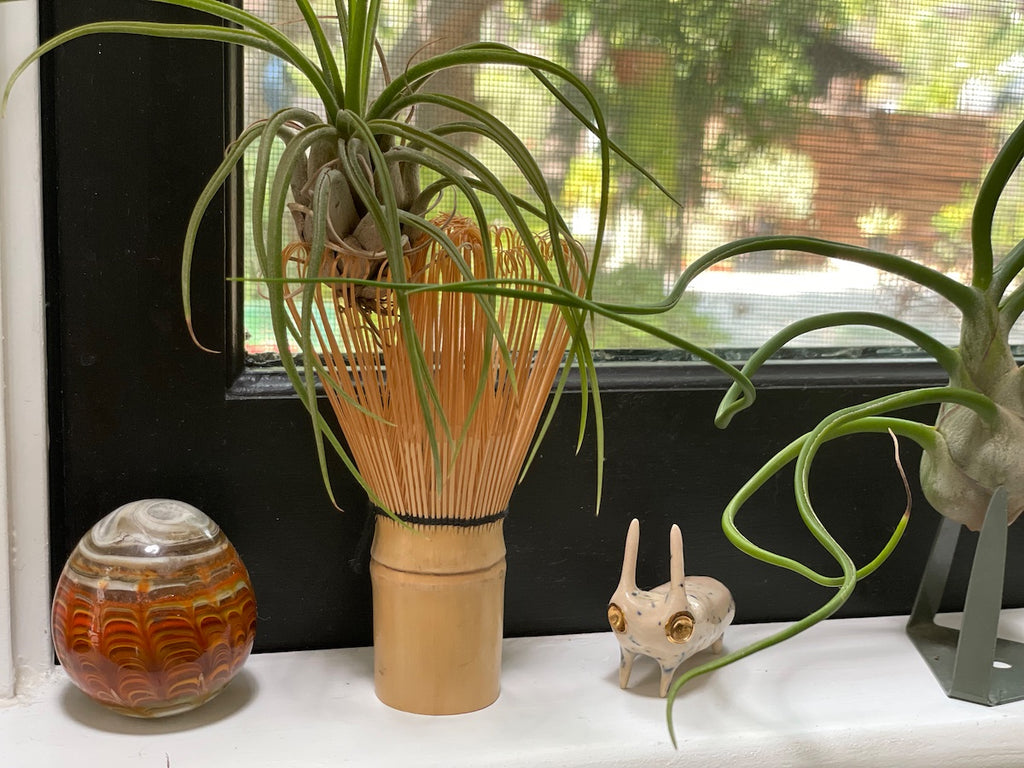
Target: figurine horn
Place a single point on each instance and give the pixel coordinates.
(628, 579)
(678, 575)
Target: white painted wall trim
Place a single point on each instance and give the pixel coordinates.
(6, 639)
(25, 651)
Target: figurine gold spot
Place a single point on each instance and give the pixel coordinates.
(679, 629)
(616, 618)
(669, 623)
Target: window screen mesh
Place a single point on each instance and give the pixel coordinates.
(866, 122)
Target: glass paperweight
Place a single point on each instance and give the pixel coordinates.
(154, 612)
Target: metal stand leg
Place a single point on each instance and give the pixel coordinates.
(972, 664)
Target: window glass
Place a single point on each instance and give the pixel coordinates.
(854, 120)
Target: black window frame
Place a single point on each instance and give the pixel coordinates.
(137, 411)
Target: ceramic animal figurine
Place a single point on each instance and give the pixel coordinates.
(669, 623)
(154, 612)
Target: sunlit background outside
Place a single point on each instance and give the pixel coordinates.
(867, 122)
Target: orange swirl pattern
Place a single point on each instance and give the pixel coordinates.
(155, 640)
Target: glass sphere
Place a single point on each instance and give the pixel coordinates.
(154, 612)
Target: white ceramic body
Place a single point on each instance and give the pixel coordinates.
(699, 608)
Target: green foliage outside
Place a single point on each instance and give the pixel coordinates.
(707, 96)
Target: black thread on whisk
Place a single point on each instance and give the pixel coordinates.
(457, 522)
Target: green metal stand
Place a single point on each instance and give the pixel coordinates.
(972, 664)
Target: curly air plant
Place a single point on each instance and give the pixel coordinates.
(977, 442)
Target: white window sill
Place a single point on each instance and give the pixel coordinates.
(850, 692)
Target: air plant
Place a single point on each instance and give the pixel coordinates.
(976, 444)
(352, 184)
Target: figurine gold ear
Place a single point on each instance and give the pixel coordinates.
(616, 618)
(679, 627)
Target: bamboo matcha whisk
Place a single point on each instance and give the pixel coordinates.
(438, 567)
(486, 431)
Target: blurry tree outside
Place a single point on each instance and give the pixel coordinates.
(857, 120)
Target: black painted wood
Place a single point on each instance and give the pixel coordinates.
(133, 128)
